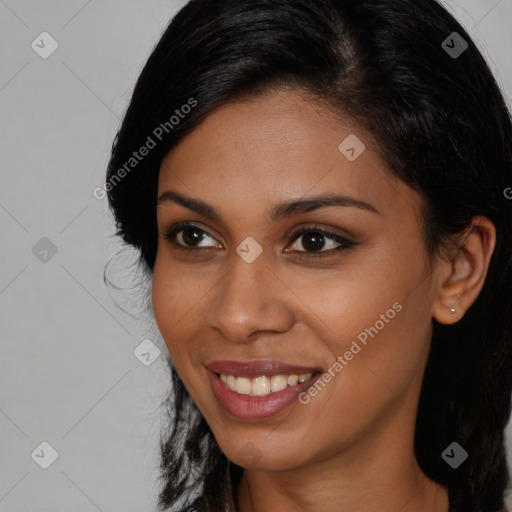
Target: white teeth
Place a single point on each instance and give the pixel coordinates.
(231, 382)
(262, 386)
(278, 382)
(243, 385)
(292, 380)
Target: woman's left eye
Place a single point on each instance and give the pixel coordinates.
(315, 238)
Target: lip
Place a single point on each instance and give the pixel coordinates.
(253, 369)
(247, 407)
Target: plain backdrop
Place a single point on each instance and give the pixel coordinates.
(69, 377)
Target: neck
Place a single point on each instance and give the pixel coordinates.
(315, 491)
(380, 472)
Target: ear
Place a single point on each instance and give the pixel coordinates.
(461, 274)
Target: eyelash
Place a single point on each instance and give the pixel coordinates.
(344, 242)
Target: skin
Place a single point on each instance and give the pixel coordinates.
(351, 447)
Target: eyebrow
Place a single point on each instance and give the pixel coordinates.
(278, 212)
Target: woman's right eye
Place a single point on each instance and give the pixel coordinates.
(188, 236)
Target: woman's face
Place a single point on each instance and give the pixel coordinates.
(244, 294)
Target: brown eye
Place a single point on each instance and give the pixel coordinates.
(315, 239)
(188, 236)
(191, 236)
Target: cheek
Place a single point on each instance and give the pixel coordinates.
(162, 296)
(175, 292)
(171, 299)
(178, 297)
(378, 322)
(350, 298)
(369, 380)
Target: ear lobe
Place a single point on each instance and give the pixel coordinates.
(467, 270)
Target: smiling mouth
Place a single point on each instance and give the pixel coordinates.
(256, 390)
(263, 385)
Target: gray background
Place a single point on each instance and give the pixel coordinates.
(68, 374)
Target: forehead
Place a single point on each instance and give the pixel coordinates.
(278, 146)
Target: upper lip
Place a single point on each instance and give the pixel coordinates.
(252, 369)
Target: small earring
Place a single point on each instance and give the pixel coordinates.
(452, 311)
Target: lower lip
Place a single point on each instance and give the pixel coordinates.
(257, 407)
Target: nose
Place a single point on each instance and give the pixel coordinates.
(249, 299)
